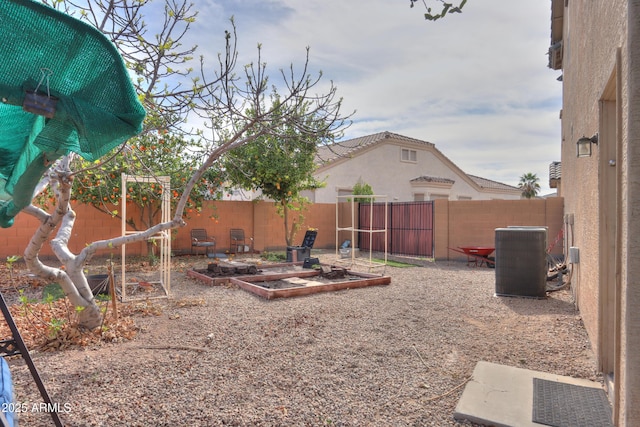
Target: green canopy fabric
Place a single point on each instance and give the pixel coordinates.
(97, 107)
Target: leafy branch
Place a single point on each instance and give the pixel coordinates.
(446, 8)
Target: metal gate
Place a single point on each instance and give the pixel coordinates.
(409, 228)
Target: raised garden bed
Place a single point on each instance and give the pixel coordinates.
(278, 281)
(215, 277)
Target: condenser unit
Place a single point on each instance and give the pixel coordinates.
(521, 261)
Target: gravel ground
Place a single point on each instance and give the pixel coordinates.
(379, 356)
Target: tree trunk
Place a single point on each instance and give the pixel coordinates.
(151, 244)
(89, 317)
(75, 286)
(151, 249)
(70, 277)
(287, 233)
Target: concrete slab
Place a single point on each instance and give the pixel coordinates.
(502, 396)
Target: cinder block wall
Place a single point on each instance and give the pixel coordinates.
(473, 223)
(218, 218)
(457, 223)
(258, 219)
(91, 225)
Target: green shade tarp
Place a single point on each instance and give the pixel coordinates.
(97, 107)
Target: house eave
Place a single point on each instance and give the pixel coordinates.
(557, 23)
(438, 185)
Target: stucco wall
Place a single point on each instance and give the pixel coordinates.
(630, 345)
(601, 94)
(593, 32)
(596, 30)
(589, 39)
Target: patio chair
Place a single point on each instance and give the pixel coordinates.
(237, 241)
(200, 239)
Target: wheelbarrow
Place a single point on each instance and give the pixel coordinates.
(477, 255)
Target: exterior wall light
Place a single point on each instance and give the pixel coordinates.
(584, 145)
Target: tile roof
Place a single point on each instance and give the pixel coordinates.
(489, 184)
(425, 178)
(329, 153)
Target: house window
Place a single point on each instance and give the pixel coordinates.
(418, 197)
(407, 155)
(435, 196)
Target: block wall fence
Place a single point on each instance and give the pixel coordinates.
(473, 223)
(457, 223)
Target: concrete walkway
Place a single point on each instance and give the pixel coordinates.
(502, 396)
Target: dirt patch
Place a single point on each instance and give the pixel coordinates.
(295, 282)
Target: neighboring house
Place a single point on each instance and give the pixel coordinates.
(401, 168)
(240, 194)
(596, 45)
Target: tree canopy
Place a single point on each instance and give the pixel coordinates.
(529, 184)
(151, 154)
(280, 167)
(361, 188)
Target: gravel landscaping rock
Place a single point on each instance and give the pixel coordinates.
(383, 355)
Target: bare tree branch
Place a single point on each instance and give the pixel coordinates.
(237, 108)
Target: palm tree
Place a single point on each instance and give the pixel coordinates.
(529, 185)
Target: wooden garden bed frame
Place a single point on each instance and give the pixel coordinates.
(248, 282)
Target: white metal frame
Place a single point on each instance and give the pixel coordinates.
(163, 238)
(353, 261)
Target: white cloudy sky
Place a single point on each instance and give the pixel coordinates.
(475, 84)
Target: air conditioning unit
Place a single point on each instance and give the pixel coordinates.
(555, 56)
(555, 174)
(521, 261)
